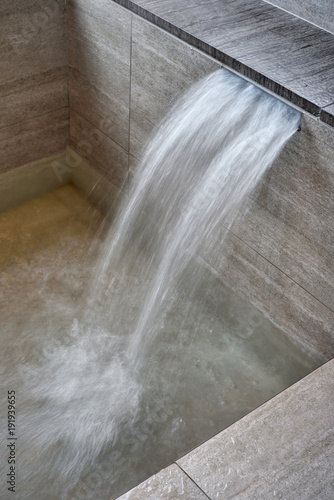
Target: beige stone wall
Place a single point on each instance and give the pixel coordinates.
(280, 250)
(124, 75)
(33, 81)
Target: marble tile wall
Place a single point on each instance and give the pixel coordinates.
(273, 48)
(280, 251)
(99, 48)
(124, 74)
(163, 68)
(120, 85)
(33, 81)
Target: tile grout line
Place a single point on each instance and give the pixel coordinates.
(191, 479)
(34, 117)
(97, 128)
(224, 58)
(297, 15)
(262, 206)
(280, 270)
(130, 94)
(68, 72)
(327, 105)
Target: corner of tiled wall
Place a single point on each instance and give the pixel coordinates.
(120, 86)
(99, 45)
(124, 75)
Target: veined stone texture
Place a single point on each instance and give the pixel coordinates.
(284, 449)
(169, 484)
(33, 81)
(125, 73)
(319, 12)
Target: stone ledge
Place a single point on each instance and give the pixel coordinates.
(282, 449)
(276, 50)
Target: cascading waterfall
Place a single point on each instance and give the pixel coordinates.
(100, 395)
(207, 156)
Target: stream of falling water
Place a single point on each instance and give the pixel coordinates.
(157, 355)
(207, 156)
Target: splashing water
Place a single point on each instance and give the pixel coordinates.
(142, 327)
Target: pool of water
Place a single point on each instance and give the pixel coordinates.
(87, 426)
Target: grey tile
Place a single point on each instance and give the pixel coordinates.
(280, 254)
(262, 45)
(101, 152)
(185, 16)
(104, 22)
(33, 96)
(134, 165)
(284, 54)
(289, 222)
(33, 81)
(304, 261)
(301, 214)
(286, 303)
(169, 484)
(303, 176)
(298, 194)
(327, 115)
(158, 78)
(33, 138)
(170, 7)
(49, 7)
(99, 59)
(320, 12)
(283, 449)
(105, 111)
(32, 39)
(99, 63)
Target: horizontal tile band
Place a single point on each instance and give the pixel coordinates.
(279, 88)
